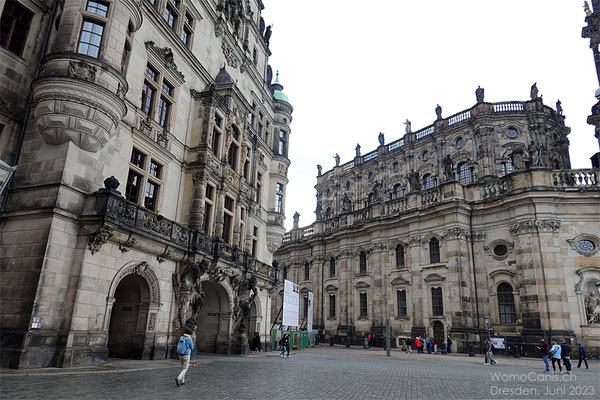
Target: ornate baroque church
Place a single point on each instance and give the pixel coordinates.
(473, 224)
(144, 145)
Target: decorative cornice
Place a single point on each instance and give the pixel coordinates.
(456, 233)
(535, 225)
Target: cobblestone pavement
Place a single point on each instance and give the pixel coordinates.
(320, 373)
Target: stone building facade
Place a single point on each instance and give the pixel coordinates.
(149, 144)
(477, 215)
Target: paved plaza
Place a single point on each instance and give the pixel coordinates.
(320, 373)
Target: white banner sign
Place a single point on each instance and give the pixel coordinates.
(291, 303)
(498, 342)
(310, 312)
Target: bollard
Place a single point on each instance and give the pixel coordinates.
(387, 337)
(366, 343)
(471, 350)
(331, 341)
(347, 340)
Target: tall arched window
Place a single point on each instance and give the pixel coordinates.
(306, 271)
(437, 302)
(399, 256)
(434, 251)
(332, 267)
(463, 173)
(371, 198)
(401, 299)
(363, 262)
(506, 304)
(428, 181)
(398, 191)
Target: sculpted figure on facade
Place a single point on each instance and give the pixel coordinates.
(479, 92)
(413, 179)
(319, 170)
(592, 308)
(357, 149)
(189, 294)
(346, 203)
(438, 111)
(319, 209)
(246, 292)
(559, 108)
(337, 159)
(381, 139)
(534, 154)
(448, 168)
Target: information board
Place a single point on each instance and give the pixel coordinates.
(498, 342)
(291, 303)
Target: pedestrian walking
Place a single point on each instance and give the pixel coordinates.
(543, 348)
(555, 356)
(256, 345)
(449, 344)
(582, 356)
(285, 345)
(489, 353)
(408, 345)
(184, 350)
(418, 344)
(565, 351)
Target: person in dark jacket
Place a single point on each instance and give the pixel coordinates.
(449, 344)
(285, 345)
(565, 352)
(582, 356)
(543, 348)
(256, 345)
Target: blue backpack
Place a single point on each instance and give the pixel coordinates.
(181, 346)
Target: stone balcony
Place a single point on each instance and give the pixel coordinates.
(521, 181)
(112, 217)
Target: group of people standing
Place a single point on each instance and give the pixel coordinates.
(558, 353)
(426, 343)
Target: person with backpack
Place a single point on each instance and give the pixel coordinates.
(582, 356)
(184, 350)
(565, 353)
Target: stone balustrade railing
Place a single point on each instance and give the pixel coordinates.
(108, 206)
(516, 182)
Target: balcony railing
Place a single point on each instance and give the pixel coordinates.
(513, 106)
(463, 116)
(425, 132)
(576, 178)
(396, 145)
(370, 156)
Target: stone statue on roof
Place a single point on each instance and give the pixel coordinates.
(319, 169)
(408, 126)
(479, 94)
(337, 159)
(586, 8)
(381, 139)
(534, 91)
(357, 150)
(559, 108)
(438, 111)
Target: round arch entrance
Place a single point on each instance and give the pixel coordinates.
(126, 331)
(214, 321)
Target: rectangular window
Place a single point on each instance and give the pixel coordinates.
(90, 38)
(232, 156)
(167, 88)
(97, 7)
(306, 271)
(332, 267)
(278, 203)
(138, 158)
(228, 203)
(185, 36)
(216, 139)
(254, 247)
(207, 218)
(151, 196)
(170, 16)
(147, 98)
(401, 299)
(227, 228)
(134, 182)
(151, 73)
(188, 19)
(437, 303)
(14, 26)
(218, 121)
(305, 313)
(164, 106)
(331, 306)
(363, 305)
(155, 169)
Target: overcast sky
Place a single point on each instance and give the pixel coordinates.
(352, 71)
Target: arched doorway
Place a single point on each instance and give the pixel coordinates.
(438, 334)
(128, 318)
(214, 320)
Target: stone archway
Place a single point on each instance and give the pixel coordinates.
(131, 315)
(214, 320)
(126, 331)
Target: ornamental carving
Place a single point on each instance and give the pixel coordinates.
(165, 54)
(229, 54)
(478, 234)
(126, 212)
(456, 233)
(219, 272)
(97, 239)
(82, 70)
(414, 240)
(378, 247)
(182, 234)
(157, 224)
(535, 225)
(144, 270)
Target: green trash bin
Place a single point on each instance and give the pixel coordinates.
(311, 339)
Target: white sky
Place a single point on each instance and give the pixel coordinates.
(353, 68)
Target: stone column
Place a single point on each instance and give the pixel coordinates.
(219, 213)
(197, 208)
